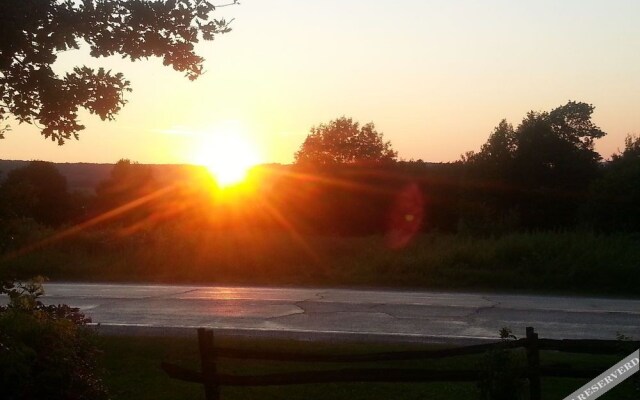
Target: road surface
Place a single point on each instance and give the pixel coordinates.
(401, 315)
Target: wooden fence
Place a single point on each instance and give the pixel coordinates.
(212, 380)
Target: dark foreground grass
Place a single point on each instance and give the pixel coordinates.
(133, 371)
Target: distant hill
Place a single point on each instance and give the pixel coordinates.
(80, 176)
(86, 176)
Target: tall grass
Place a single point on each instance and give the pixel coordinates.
(561, 262)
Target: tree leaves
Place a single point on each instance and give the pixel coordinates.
(32, 32)
(46, 351)
(344, 141)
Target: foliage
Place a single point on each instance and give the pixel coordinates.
(499, 149)
(343, 141)
(33, 32)
(128, 181)
(553, 155)
(46, 352)
(567, 127)
(534, 262)
(18, 232)
(572, 122)
(37, 191)
(631, 150)
(614, 198)
(540, 170)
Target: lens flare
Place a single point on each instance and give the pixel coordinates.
(406, 217)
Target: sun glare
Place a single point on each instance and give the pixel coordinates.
(228, 157)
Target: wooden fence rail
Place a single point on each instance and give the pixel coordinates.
(212, 380)
(367, 357)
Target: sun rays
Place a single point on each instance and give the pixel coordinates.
(227, 153)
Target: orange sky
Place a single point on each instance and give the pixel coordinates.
(434, 76)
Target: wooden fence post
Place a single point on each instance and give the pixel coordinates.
(533, 364)
(208, 364)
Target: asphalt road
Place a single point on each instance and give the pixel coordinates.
(307, 313)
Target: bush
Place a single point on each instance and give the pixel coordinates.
(46, 352)
(16, 233)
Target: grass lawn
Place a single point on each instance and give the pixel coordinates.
(133, 371)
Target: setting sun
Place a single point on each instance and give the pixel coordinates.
(228, 157)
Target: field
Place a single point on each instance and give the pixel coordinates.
(132, 366)
(568, 263)
(564, 262)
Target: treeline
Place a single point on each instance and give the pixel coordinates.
(543, 174)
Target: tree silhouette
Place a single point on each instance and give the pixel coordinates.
(32, 32)
(128, 181)
(496, 155)
(555, 150)
(631, 152)
(37, 191)
(543, 135)
(542, 168)
(344, 141)
(572, 122)
(614, 198)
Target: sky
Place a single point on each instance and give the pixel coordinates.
(435, 77)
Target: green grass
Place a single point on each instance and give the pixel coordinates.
(551, 262)
(132, 367)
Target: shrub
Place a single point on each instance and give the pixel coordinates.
(46, 351)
